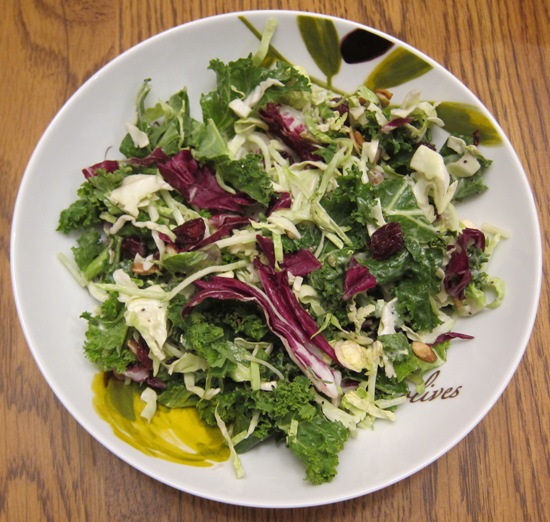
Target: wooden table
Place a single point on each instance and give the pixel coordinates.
(51, 469)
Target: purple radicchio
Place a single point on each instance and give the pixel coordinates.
(457, 272)
(191, 235)
(289, 125)
(282, 321)
(198, 184)
(156, 156)
(107, 165)
(299, 264)
(283, 201)
(142, 370)
(394, 124)
(450, 335)
(275, 284)
(357, 279)
(267, 248)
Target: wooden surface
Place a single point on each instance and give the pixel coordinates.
(51, 469)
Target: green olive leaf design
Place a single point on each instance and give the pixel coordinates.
(121, 398)
(464, 119)
(322, 42)
(398, 67)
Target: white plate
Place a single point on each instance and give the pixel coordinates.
(50, 303)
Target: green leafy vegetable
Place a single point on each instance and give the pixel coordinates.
(235, 80)
(247, 175)
(106, 336)
(317, 443)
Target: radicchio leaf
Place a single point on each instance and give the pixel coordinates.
(357, 279)
(284, 123)
(472, 237)
(157, 156)
(267, 248)
(190, 235)
(225, 219)
(198, 184)
(299, 263)
(457, 272)
(450, 335)
(141, 351)
(283, 201)
(224, 231)
(137, 373)
(296, 342)
(142, 371)
(107, 165)
(394, 124)
(155, 382)
(275, 284)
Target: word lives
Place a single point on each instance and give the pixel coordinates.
(432, 392)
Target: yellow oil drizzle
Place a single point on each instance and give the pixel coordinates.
(177, 435)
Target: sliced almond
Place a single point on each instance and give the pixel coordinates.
(384, 96)
(424, 352)
(358, 137)
(357, 140)
(138, 268)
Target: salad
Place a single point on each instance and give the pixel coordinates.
(289, 264)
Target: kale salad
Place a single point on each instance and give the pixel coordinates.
(290, 263)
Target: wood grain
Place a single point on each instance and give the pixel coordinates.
(52, 470)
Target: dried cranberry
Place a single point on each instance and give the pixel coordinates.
(386, 241)
(131, 246)
(190, 232)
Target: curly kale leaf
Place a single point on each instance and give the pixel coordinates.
(328, 282)
(317, 443)
(210, 342)
(287, 400)
(92, 201)
(105, 343)
(247, 175)
(237, 79)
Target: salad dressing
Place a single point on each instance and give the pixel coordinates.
(177, 435)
